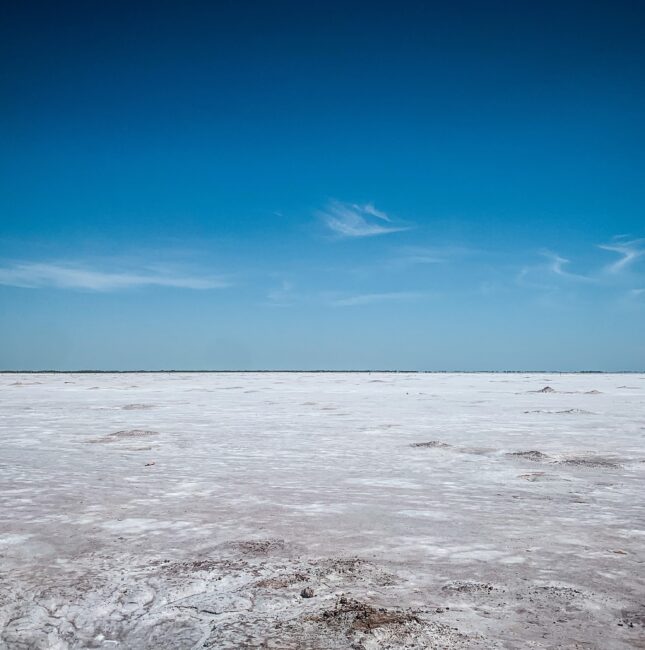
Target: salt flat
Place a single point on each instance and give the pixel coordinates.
(423, 510)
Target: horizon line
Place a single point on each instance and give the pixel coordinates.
(320, 370)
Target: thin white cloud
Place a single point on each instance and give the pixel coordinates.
(369, 298)
(543, 276)
(613, 275)
(352, 220)
(370, 209)
(65, 275)
(557, 265)
(630, 251)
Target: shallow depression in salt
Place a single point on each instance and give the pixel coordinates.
(187, 510)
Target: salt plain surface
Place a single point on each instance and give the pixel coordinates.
(424, 510)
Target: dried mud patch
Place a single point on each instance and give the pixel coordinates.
(124, 435)
(431, 444)
(207, 568)
(356, 615)
(190, 566)
(283, 581)
(558, 592)
(362, 626)
(257, 547)
(469, 587)
(352, 570)
(355, 626)
(590, 461)
(546, 389)
(532, 455)
(583, 461)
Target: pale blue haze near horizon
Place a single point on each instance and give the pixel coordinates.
(282, 185)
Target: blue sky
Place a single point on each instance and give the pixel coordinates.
(287, 185)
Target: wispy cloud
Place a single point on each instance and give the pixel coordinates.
(629, 250)
(543, 276)
(68, 275)
(557, 265)
(369, 298)
(352, 220)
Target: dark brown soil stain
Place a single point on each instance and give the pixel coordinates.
(363, 617)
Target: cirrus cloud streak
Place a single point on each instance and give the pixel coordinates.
(350, 220)
(66, 275)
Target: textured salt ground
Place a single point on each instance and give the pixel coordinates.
(427, 511)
